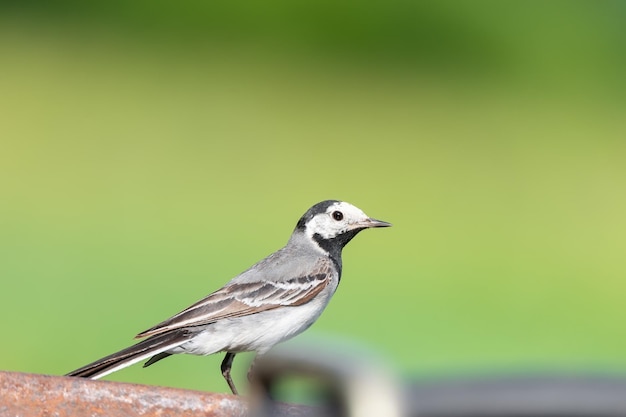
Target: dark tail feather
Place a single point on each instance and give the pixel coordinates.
(153, 346)
(157, 358)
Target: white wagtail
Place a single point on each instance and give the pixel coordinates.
(276, 299)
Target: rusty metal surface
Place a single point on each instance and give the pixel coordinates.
(31, 395)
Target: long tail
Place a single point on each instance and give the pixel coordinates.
(154, 346)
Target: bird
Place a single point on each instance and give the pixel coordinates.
(272, 301)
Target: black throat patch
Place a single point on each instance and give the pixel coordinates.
(334, 245)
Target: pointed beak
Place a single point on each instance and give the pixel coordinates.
(369, 223)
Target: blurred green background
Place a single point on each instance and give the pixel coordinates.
(150, 151)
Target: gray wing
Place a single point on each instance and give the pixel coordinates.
(239, 299)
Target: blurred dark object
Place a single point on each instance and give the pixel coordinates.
(357, 384)
(363, 387)
(520, 397)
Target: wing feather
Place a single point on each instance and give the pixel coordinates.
(242, 299)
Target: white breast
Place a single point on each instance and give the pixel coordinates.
(258, 332)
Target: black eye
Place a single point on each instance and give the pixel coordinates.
(337, 215)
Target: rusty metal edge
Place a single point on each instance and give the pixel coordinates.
(33, 395)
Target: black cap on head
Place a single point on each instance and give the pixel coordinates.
(320, 207)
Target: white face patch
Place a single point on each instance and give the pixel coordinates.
(338, 218)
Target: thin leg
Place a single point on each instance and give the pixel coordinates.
(227, 363)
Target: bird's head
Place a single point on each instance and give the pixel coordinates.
(332, 224)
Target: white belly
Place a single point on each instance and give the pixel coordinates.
(257, 332)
